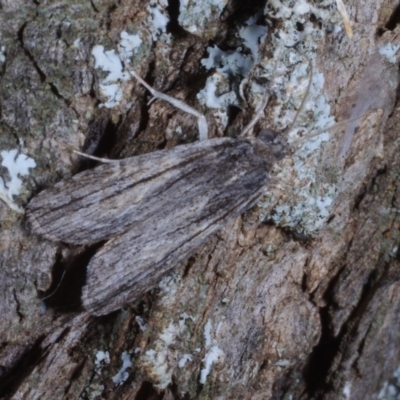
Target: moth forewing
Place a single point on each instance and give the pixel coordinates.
(157, 209)
(106, 201)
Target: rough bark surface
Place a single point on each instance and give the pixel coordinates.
(281, 314)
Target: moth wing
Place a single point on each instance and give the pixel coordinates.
(194, 206)
(106, 201)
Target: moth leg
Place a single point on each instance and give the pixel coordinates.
(300, 109)
(303, 102)
(201, 119)
(258, 114)
(329, 128)
(259, 109)
(103, 160)
(264, 101)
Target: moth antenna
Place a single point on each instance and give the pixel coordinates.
(303, 102)
(261, 106)
(259, 112)
(241, 90)
(300, 109)
(307, 137)
(57, 287)
(103, 160)
(201, 119)
(151, 101)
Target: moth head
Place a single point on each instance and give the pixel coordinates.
(276, 142)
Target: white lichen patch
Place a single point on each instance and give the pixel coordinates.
(17, 165)
(164, 357)
(207, 333)
(253, 35)
(160, 369)
(169, 285)
(110, 87)
(389, 51)
(141, 323)
(195, 14)
(77, 43)
(109, 61)
(391, 389)
(213, 353)
(229, 64)
(129, 44)
(122, 375)
(102, 358)
(309, 199)
(209, 97)
(282, 363)
(184, 359)
(347, 390)
(2, 54)
(158, 19)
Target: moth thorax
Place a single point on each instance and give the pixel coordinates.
(277, 143)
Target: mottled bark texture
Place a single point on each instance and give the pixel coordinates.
(259, 311)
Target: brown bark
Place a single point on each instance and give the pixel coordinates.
(286, 315)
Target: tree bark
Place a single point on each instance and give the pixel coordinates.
(267, 308)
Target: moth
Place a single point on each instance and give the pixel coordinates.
(154, 210)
